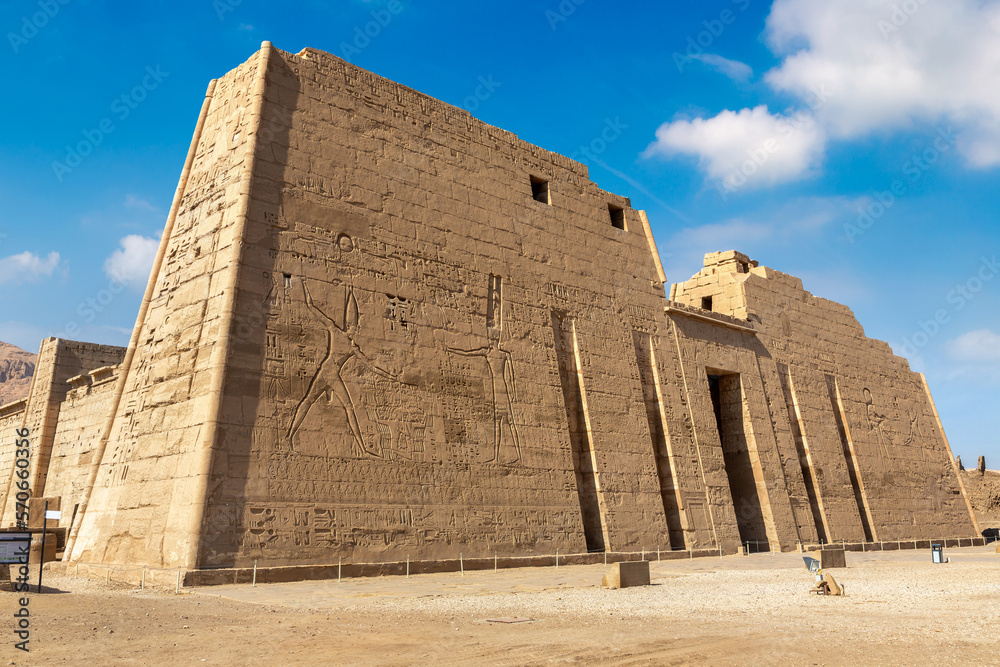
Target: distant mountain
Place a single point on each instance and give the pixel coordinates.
(16, 369)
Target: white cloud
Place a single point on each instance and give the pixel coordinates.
(132, 262)
(890, 64)
(977, 347)
(859, 67)
(734, 69)
(749, 147)
(27, 267)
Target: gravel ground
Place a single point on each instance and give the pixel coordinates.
(899, 609)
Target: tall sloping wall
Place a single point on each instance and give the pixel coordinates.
(437, 351)
(146, 497)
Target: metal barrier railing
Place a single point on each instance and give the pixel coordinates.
(153, 575)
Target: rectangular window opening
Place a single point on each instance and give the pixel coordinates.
(706, 303)
(540, 190)
(617, 216)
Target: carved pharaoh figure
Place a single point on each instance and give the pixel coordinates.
(328, 380)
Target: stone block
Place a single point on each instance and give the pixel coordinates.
(36, 511)
(35, 555)
(830, 558)
(626, 575)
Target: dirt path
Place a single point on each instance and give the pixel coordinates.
(900, 609)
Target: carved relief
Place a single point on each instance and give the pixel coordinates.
(878, 423)
(328, 380)
(501, 387)
(397, 313)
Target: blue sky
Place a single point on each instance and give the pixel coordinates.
(853, 144)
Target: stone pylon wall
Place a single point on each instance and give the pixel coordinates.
(430, 361)
(378, 328)
(410, 335)
(150, 477)
(857, 439)
(58, 361)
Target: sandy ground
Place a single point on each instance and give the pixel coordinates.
(899, 609)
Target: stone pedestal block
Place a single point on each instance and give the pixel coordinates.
(626, 575)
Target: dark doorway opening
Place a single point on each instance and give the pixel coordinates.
(727, 400)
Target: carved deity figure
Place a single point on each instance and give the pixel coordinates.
(915, 436)
(500, 367)
(502, 386)
(878, 423)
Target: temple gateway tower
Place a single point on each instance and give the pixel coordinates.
(378, 328)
